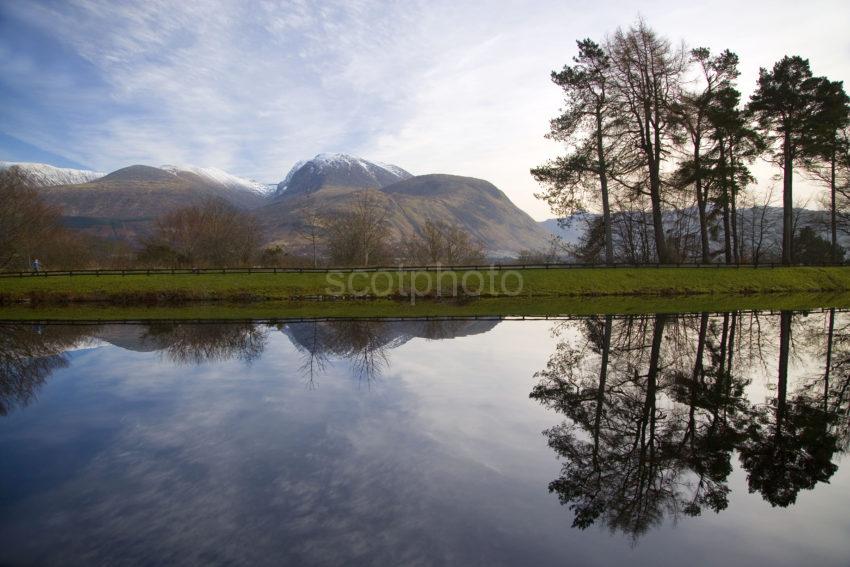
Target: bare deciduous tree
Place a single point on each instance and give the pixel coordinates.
(443, 243)
(359, 236)
(212, 234)
(26, 222)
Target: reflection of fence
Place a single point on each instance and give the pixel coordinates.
(435, 268)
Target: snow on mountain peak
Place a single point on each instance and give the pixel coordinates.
(219, 176)
(324, 163)
(43, 175)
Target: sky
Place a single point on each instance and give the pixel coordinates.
(434, 86)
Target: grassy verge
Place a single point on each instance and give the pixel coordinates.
(484, 307)
(597, 282)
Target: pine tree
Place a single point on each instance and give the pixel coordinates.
(586, 126)
(828, 145)
(784, 105)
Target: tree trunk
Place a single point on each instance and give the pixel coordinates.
(787, 202)
(733, 209)
(832, 210)
(724, 197)
(703, 222)
(657, 217)
(603, 184)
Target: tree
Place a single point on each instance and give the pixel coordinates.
(312, 225)
(647, 75)
(212, 234)
(788, 446)
(443, 243)
(26, 222)
(737, 144)
(829, 145)
(587, 125)
(784, 106)
(810, 248)
(359, 236)
(716, 75)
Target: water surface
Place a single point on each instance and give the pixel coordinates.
(713, 439)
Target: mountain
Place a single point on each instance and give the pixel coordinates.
(43, 175)
(214, 175)
(330, 184)
(338, 170)
(572, 232)
(125, 203)
(755, 223)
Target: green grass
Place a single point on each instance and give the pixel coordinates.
(485, 307)
(595, 282)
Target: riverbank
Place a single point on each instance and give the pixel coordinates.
(166, 289)
(383, 308)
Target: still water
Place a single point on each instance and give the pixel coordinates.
(706, 439)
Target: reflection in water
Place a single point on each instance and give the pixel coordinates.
(656, 413)
(656, 408)
(365, 344)
(30, 353)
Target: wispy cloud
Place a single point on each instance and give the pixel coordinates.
(253, 87)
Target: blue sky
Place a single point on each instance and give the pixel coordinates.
(252, 87)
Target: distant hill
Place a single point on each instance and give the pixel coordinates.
(43, 175)
(124, 203)
(330, 185)
(571, 229)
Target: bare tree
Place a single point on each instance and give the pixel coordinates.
(212, 234)
(647, 76)
(443, 243)
(26, 222)
(359, 236)
(311, 229)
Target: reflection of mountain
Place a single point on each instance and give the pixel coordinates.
(366, 343)
(189, 343)
(130, 337)
(30, 353)
(342, 337)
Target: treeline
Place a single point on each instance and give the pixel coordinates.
(216, 234)
(661, 142)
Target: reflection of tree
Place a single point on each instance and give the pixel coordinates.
(652, 423)
(197, 343)
(28, 355)
(789, 444)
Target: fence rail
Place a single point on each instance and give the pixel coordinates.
(434, 268)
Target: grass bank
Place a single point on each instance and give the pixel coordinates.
(533, 283)
(484, 307)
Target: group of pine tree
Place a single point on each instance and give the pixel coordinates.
(652, 126)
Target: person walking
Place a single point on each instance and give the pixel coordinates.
(36, 265)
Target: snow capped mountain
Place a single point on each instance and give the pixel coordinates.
(221, 177)
(339, 169)
(43, 175)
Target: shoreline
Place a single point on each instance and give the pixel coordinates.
(410, 287)
(424, 309)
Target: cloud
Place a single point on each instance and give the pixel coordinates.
(253, 87)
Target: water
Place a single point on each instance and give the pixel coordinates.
(441, 442)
